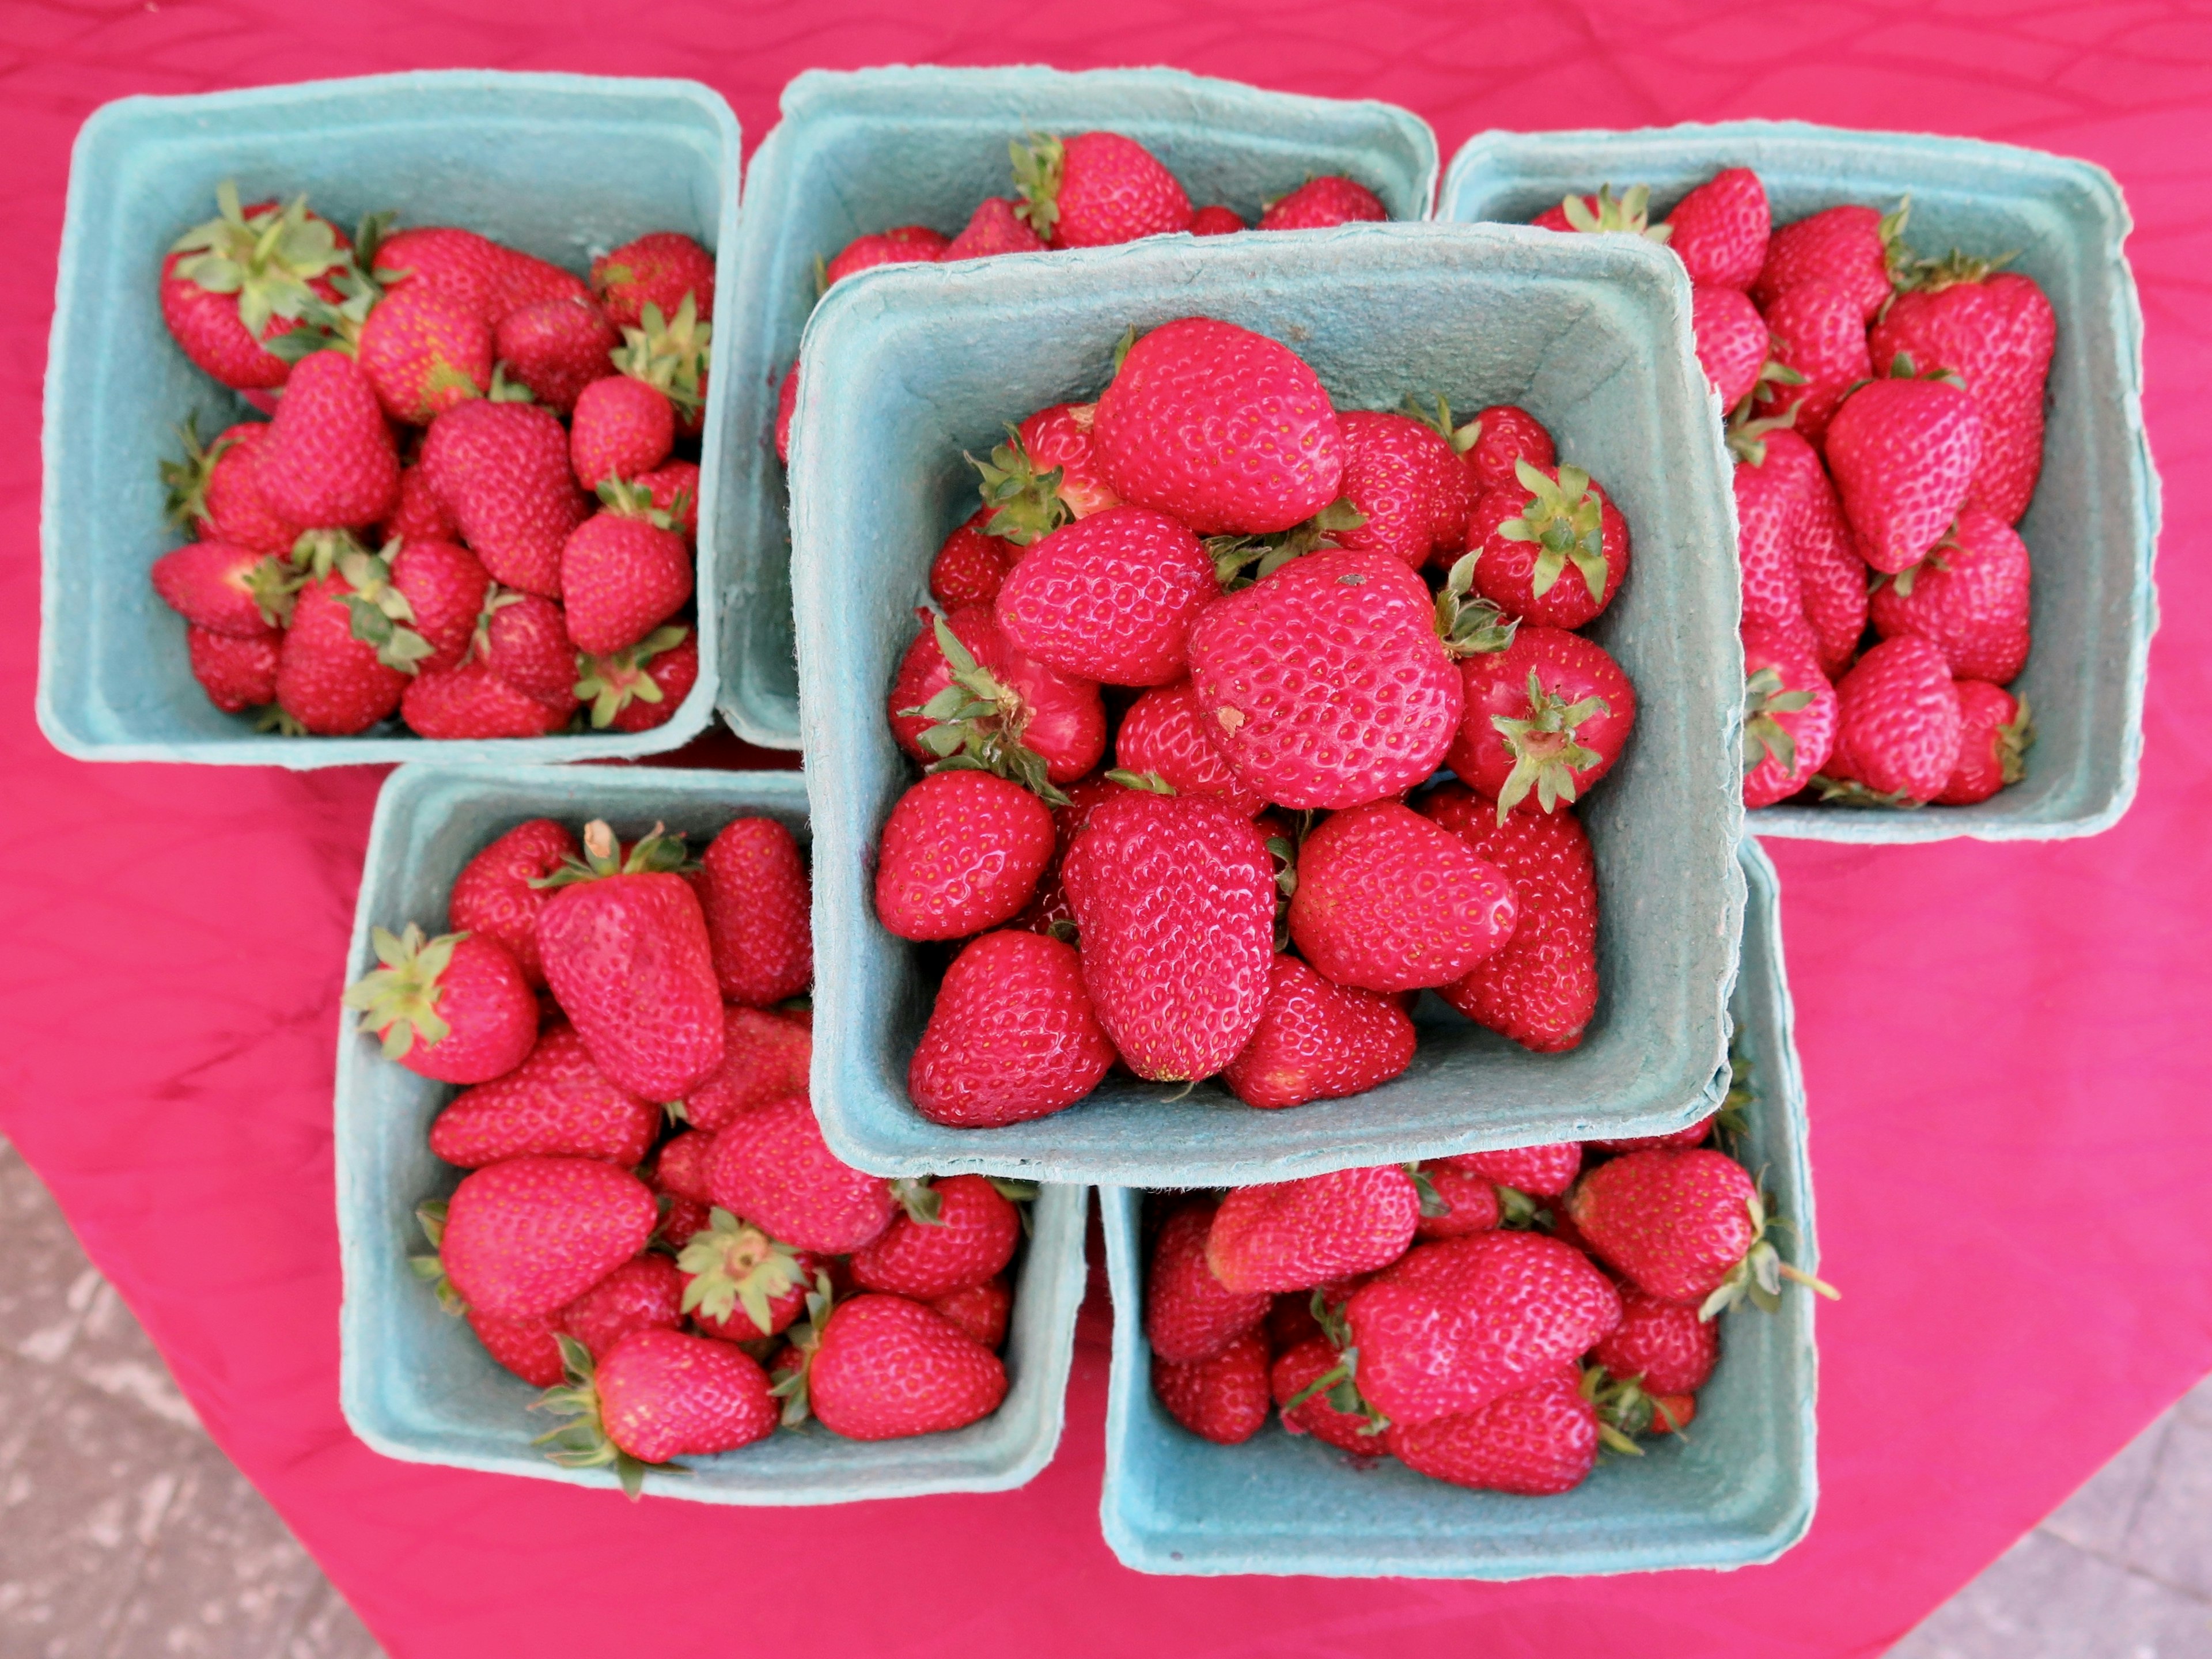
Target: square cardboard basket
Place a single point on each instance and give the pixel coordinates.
(564, 166)
(2093, 527)
(1739, 1492)
(924, 361)
(414, 1382)
(861, 151)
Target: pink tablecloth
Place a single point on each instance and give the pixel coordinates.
(2005, 1045)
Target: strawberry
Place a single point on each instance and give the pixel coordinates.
(772, 1166)
(753, 888)
(1540, 1440)
(1325, 683)
(1719, 230)
(1455, 1326)
(1690, 1135)
(1832, 577)
(738, 1282)
(455, 1007)
(1293, 1234)
(1818, 332)
(623, 571)
(1994, 735)
(1665, 1346)
(1227, 430)
(1465, 1202)
(1189, 1315)
(495, 894)
(489, 279)
(556, 1103)
(1789, 718)
(1222, 1398)
(1769, 507)
(420, 516)
(1904, 454)
(328, 458)
(658, 1395)
(444, 588)
(245, 277)
(1997, 333)
(1552, 548)
(1494, 443)
(675, 487)
(212, 490)
(226, 589)
(668, 352)
(531, 1347)
(1293, 1375)
(1290, 1318)
(1541, 988)
(235, 673)
(786, 400)
(622, 427)
(1968, 598)
(627, 956)
(901, 245)
(1160, 734)
(524, 638)
(960, 853)
(1319, 203)
(641, 688)
(1317, 1041)
(1536, 1171)
(531, 1234)
(472, 702)
(971, 1238)
(1058, 438)
(992, 703)
(764, 1056)
(1627, 213)
(971, 565)
(979, 1312)
(1730, 337)
(1111, 598)
(1387, 901)
(424, 351)
(685, 1164)
(659, 268)
(886, 1368)
(1174, 897)
(1012, 1037)
(557, 349)
(1546, 718)
(1897, 722)
(1094, 189)
(1408, 481)
(995, 227)
(643, 1294)
(328, 681)
(501, 469)
(1685, 1227)
(1848, 248)
(1216, 221)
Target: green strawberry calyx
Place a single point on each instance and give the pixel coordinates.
(266, 258)
(398, 1001)
(1747, 437)
(1432, 1202)
(1470, 625)
(1630, 211)
(1849, 792)
(2015, 739)
(976, 722)
(734, 1264)
(430, 1215)
(1545, 757)
(635, 501)
(1624, 1410)
(1233, 555)
(1038, 167)
(610, 683)
(1565, 518)
(380, 611)
(790, 1384)
(919, 1199)
(1024, 504)
(669, 354)
(1765, 696)
(1947, 271)
(1461, 438)
(1151, 782)
(1773, 375)
(1340, 1383)
(1758, 1277)
(1517, 1211)
(185, 483)
(583, 1443)
(655, 852)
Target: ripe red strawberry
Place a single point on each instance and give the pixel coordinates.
(979, 1312)
(1996, 333)
(1552, 548)
(639, 689)
(531, 1347)
(622, 427)
(658, 1395)
(1789, 718)
(1456, 1325)
(886, 1368)
(623, 571)
(1296, 1370)
(1222, 1398)
(1175, 900)
(772, 1167)
(524, 638)
(753, 887)
(557, 349)
(1904, 454)
(1387, 901)
(1216, 221)
(1319, 203)
(685, 1164)
(1994, 736)
(472, 702)
(494, 897)
(994, 228)
(231, 285)
(643, 1294)
(455, 1007)
(1095, 188)
(212, 490)
(475, 271)
(1012, 1037)
(1538, 1441)
(327, 680)
(1111, 598)
(1969, 599)
(786, 400)
(626, 956)
(226, 589)
(1469, 1203)
(765, 1055)
(1058, 438)
(739, 1284)
(1540, 989)
(328, 458)
(1897, 721)
(1407, 480)
(1686, 1227)
(1227, 430)
(675, 487)
(1832, 577)
(236, 674)
(444, 588)
(420, 516)
(1848, 248)
(1537, 1172)
(501, 469)
(1719, 230)
(531, 1234)
(1690, 1135)
(1028, 707)
(971, 566)
(1189, 1315)
(899, 246)
(1769, 507)
(1293, 1234)
(1317, 1041)
(972, 1237)
(659, 268)
(960, 853)
(1496, 441)
(1817, 330)
(1325, 683)
(423, 352)
(1663, 1345)
(1160, 734)
(556, 1103)
(1546, 718)
(1730, 337)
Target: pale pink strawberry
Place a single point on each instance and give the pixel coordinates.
(1012, 1035)
(1318, 1041)
(1319, 203)
(994, 228)
(1294, 1235)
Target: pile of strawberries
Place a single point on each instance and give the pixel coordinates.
(1216, 567)
(470, 508)
(652, 1226)
(1888, 422)
(1091, 190)
(1441, 1314)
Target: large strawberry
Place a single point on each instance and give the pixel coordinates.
(1294, 1235)
(1095, 188)
(753, 888)
(487, 277)
(227, 589)
(1663, 1345)
(1730, 339)
(995, 227)
(970, 1238)
(501, 469)
(1407, 482)
(1536, 1171)
(962, 689)
(495, 894)
(1993, 737)
(1770, 507)
(627, 956)
(444, 588)
(556, 1104)
(469, 701)
(961, 853)
(1318, 1041)
(1161, 735)
(1330, 199)
(765, 1055)
(1540, 1440)
(772, 1167)
(1111, 597)
(328, 460)
(1903, 452)
(1544, 719)
(246, 277)
(1789, 718)
(659, 1394)
(1222, 1398)
(1686, 1227)
(424, 351)
(328, 681)
(622, 426)
(1189, 1313)
(1897, 722)
(623, 571)
(1387, 901)
(1817, 330)
(1012, 1036)
(1175, 900)
(884, 1368)
(212, 490)
(1551, 548)
(1850, 248)
(644, 1294)
(902, 244)
(556, 349)
(1968, 598)
(1719, 230)
(455, 1007)
(659, 268)
(531, 1234)
(1225, 429)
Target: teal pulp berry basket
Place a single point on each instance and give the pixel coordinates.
(2092, 527)
(1739, 1491)
(415, 1382)
(561, 166)
(865, 150)
(922, 362)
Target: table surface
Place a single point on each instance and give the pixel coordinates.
(2001, 1044)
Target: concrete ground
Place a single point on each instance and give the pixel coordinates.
(124, 1532)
